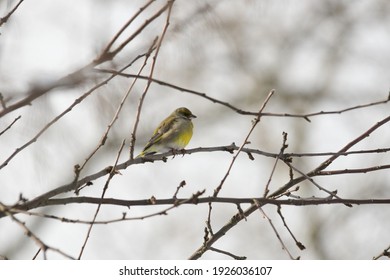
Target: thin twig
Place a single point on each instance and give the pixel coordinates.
(282, 149)
(245, 142)
(385, 253)
(109, 55)
(6, 18)
(243, 112)
(116, 115)
(263, 201)
(67, 110)
(2, 101)
(113, 172)
(79, 76)
(36, 254)
(180, 186)
(106, 50)
(44, 248)
(208, 221)
(133, 137)
(10, 125)
(219, 187)
(273, 228)
(222, 231)
(353, 170)
(149, 81)
(311, 180)
(69, 81)
(227, 253)
(330, 160)
(299, 244)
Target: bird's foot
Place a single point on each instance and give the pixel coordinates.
(178, 151)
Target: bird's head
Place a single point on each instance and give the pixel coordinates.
(184, 113)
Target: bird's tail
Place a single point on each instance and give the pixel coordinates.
(146, 152)
(142, 154)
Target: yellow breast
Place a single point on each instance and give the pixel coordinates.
(184, 136)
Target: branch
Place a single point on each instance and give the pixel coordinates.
(43, 247)
(385, 253)
(107, 55)
(58, 117)
(151, 73)
(112, 173)
(10, 125)
(79, 168)
(298, 243)
(69, 81)
(310, 179)
(330, 160)
(227, 253)
(282, 149)
(240, 111)
(258, 205)
(262, 201)
(124, 27)
(201, 200)
(79, 76)
(74, 185)
(246, 141)
(353, 171)
(6, 18)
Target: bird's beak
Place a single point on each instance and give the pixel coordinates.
(193, 116)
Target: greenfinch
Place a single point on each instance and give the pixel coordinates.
(173, 133)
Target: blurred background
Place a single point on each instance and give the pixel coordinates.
(317, 55)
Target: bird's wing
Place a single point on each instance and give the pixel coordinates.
(161, 131)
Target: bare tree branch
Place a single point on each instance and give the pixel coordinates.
(245, 142)
(74, 185)
(202, 200)
(79, 168)
(299, 244)
(306, 116)
(6, 18)
(81, 75)
(43, 246)
(258, 205)
(330, 160)
(150, 16)
(141, 101)
(124, 27)
(112, 173)
(10, 125)
(108, 54)
(58, 117)
(227, 253)
(385, 253)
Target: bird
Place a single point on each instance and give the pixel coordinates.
(173, 133)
